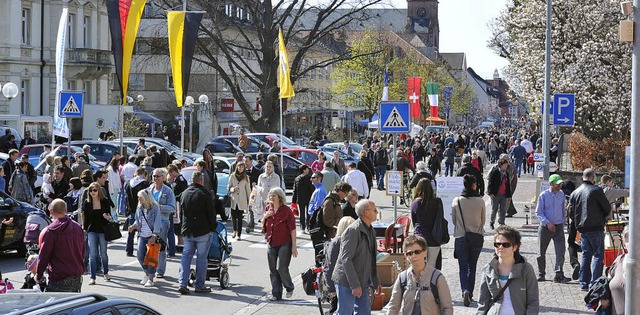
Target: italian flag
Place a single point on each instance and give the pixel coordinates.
(432, 92)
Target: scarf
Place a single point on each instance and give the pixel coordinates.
(240, 176)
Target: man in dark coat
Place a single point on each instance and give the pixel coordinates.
(9, 167)
(198, 225)
(468, 168)
(302, 190)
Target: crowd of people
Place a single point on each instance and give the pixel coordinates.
(332, 196)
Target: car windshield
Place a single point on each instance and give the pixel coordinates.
(167, 145)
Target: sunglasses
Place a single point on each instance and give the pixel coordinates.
(155, 176)
(504, 245)
(93, 190)
(414, 252)
(313, 177)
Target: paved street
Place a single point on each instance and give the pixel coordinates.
(250, 286)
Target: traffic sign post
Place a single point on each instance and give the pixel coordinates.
(564, 109)
(394, 118)
(71, 104)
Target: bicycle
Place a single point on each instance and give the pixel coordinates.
(405, 198)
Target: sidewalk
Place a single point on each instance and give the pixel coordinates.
(554, 298)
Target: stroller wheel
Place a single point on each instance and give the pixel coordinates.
(224, 279)
(192, 278)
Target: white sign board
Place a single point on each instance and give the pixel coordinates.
(448, 189)
(538, 157)
(540, 169)
(394, 183)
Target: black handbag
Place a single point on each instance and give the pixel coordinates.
(308, 277)
(440, 232)
(474, 240)
(112, 231)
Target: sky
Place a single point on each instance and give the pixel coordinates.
(464, 28)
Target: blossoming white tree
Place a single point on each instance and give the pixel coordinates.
(586, 60)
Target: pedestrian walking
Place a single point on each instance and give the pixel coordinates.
(115, 181)
(589, 208)
(61, 253)
(239, 192)
(329, 176)
(166, 200)
(148, 222)
(132, 187)
(302, 191)
(331, 210)
(279, 227)
(355, 270)
(367, 168)
(468, 214)
(424, 211)
(178, 184)
(19, 184)
(499, 191)
(267, 181)
(381, 159)
(198, 225)
(357, 180)
(332, 250)
(416, 294)
(97, 214)
(449, 159)
(508, 284)
(551, 214)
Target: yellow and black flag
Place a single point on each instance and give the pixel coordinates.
(124, 19)
(284, 74)
(183, 33)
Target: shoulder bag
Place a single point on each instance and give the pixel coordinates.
(440, 230)
(497, 297)
(112, 231)
(474, 240)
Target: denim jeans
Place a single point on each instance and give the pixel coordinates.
(142, 251)
(380, 171)
(279, 258)
(70, 284)
(518, 163)
(467, 262)
(162, 260)
(302, 208)
(199, 245)
(97, 246)
(131, 236)
(448, 169)
(171, 238)
(592, 246)
(346, 301)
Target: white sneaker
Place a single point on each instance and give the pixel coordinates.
(144, 280)
(149, 283)
(92, 281)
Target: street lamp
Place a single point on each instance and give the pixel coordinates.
(190, 102)
(130, 100)
(10, 90)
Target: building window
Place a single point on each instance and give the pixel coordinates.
(86, 87)
(71, 42)
(24, 97)
(26, 26)
(170, 82)
(71, 85)
(228, 9)
(136, 81)
(86, 31)
(239, 13)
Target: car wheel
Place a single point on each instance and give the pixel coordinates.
(224, 279)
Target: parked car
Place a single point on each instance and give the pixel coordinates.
(189, 156)
(102, 150)
(307, 156)
(226, 146)
(436, 129)
(173, 155)
(290, 168)
(71, 304)
(355, 147)
(270, 137)
(35, 150)
(328, 151)
(252, 147)
(14, 132)
(223, 169)
(12, 235)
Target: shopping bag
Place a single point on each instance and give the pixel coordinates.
(295, 209)
(151, 258)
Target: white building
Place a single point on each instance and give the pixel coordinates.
(27, 55)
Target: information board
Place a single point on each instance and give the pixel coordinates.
(448, 189)
(394, 183)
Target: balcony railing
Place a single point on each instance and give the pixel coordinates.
(88, 56)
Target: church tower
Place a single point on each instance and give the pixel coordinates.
(423, 21)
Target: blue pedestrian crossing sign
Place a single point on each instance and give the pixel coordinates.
(71, 104)
(394, 117)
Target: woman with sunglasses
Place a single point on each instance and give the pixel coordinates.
(509, 284)
(97, 213)
(148, 222)
(416, 291)
(239, 191)
(468, 213)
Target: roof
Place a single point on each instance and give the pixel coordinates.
(457, 61)
(389, 19)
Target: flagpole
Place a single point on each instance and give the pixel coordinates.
(281, 153)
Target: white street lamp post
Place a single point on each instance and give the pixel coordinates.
(10, 90)
(130, 100)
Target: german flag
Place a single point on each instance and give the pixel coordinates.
(124, 19)
(183, 33)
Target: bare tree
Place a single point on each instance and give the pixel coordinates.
(233, 30)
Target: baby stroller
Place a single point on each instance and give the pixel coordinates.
(218, 258)
(36, 222)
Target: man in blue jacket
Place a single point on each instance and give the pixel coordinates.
(518, 153)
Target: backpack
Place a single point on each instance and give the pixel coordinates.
(433, 284)
(317, 229)
(36, 222)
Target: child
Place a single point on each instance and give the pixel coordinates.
(46, 188)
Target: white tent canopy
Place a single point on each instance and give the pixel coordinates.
(415, 129)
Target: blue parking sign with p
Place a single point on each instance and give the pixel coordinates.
(564, 109)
